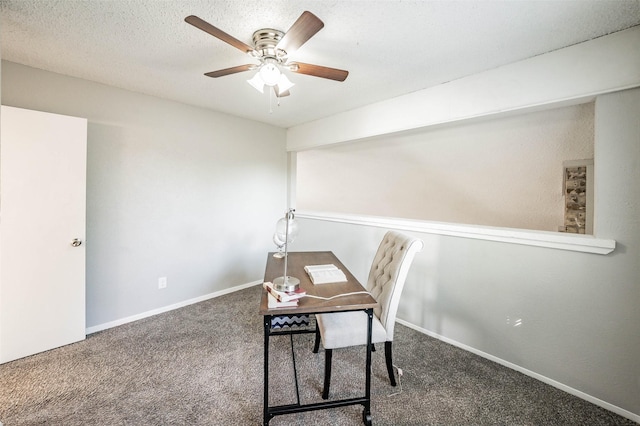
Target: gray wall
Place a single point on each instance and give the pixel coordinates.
(571, 319)
(172, 191)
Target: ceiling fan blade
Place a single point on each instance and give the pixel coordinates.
(216, 32)
(232, 70)
(302, 30)
(318, 71)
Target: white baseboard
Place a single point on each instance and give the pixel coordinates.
(622, 412)
(168, 308)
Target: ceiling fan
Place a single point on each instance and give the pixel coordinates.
(272, 48)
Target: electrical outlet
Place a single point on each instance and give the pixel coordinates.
(162, 282)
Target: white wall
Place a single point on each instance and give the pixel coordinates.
(503, 172)
(172, 191)
(568, 318)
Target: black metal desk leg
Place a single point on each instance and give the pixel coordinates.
(267, 330)
(366, 413)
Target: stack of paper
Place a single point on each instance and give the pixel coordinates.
(324, 274)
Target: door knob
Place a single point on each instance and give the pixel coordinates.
(76, 242)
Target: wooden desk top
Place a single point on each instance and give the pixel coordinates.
(307, 305)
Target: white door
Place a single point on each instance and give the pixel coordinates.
(42, 210)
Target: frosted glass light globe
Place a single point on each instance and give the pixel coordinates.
(281, 230)
(270, 74)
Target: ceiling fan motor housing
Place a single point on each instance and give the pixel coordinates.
(265, 42)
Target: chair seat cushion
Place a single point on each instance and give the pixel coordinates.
(343, 329)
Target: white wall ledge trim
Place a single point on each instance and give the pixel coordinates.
(555, 240)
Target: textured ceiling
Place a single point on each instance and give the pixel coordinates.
(389, 47)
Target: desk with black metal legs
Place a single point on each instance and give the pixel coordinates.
(307, 305)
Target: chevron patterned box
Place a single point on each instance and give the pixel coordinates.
(285, 321)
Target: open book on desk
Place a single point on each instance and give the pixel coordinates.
(325, 274)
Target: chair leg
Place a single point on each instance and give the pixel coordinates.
(327, 372)
(389, 358)
(316, 346)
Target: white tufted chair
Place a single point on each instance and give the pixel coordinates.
(386, 280)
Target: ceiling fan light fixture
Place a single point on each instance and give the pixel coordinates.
(284, 84)
(257, 82)
(270, 74)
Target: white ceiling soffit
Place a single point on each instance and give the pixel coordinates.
(390, 48)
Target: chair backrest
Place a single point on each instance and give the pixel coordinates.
(388, 274)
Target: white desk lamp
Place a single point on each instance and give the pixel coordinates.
(286, 231)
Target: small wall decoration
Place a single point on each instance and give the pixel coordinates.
(577, 199)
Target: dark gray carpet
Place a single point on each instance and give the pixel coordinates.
(202, 365)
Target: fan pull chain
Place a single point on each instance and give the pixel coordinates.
(271, 101)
